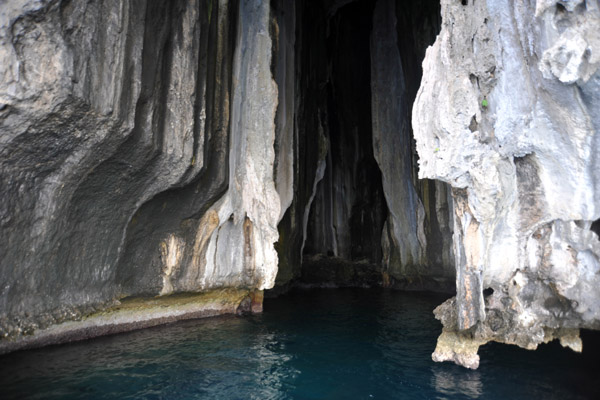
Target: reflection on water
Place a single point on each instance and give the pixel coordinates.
(272, 373)
(317, 344)
(449, 384)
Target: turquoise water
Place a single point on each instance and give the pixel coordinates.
(314, 344)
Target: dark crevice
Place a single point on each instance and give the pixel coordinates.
(473, 126)
(349, 208)
(333, 90)
(596, 227)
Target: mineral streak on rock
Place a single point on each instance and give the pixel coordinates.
(416, 240)
(154, 148)
(392, 137)
(240, 250)
(137, 154)
(356, 195)
(513, 127)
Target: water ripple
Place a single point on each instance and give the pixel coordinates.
(317, 344)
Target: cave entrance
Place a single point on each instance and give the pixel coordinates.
(348, 209)
(365, 218)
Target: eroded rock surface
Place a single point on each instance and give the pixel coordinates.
(357, 195)
(151, 148)
(507, 114)
(137, 154)
(414, 250)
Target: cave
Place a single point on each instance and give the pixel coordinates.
(367, 220)
(166, 161)
(243, 145)
(348, 208)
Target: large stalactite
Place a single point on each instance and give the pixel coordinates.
(513, 127)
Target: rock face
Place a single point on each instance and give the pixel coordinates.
(151, 148)
(136, 153)
(413, 248)
(170, 148)
(357, 197)
(508, 115)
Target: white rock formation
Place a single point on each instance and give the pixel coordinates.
(238, 248)
(508, 113)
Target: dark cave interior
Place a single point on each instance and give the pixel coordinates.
(350, 196)
(338, 179)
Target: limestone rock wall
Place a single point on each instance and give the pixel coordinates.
(415, 239)
(137, 156)
(508, 115)
(391, 128)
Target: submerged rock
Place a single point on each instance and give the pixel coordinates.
(507, 114)
(140, 312)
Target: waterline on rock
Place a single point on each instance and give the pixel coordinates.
(308, 344)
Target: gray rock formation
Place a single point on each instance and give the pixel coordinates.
(165, 147)
(137, 153)
(392, 137)
(405, 243)
(365, 204)
(156, 148)
(234, 240)
(513, 127)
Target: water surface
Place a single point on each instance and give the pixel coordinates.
(312, 344)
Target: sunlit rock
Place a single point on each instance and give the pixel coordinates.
(507, 114)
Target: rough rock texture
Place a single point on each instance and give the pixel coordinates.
(513, 127)
(391, 128)
(348, 209)
(337, 207)
(234, 241)
(150, 148)
(411, 250)
(136, 153)
(288, 143)
(137, 313)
